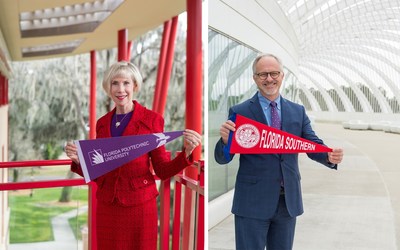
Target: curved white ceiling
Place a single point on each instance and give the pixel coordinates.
(359, 41)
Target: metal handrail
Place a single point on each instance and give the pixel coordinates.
(38, 184)
(180, 179)
(39, 163)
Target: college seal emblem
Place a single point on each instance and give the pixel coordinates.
(247, 136)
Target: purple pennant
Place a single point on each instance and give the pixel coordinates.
(100, 156)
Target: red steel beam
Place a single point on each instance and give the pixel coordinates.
(194, 90)
(165, 191)
(41, 184)
(194, 70)
(21, 164)
(92, 103)
(92, 135)
(176, 230)
(168, 66)
(165, 207)
(6, 80)
(2, 89)
(129, 53)
(164, 230)
(159, 101)
(198, 187)
(122, 45)
(200, 214)
(190, 183)
(161, 64)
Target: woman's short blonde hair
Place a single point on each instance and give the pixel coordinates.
(125, 69)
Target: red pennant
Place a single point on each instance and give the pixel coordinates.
(252, 137)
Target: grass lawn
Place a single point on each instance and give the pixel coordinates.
(77, 224)
(31, 216)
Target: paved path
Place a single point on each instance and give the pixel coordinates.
(64, 238)
(356, 207)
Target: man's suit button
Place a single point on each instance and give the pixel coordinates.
(145, 181)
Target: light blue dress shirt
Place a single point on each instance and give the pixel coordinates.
(264, 102)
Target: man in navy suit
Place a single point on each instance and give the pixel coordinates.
(267, 195)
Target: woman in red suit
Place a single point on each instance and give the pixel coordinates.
(127, 209)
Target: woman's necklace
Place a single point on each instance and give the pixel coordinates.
(117, 123)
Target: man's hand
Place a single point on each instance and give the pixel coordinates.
(335, 156)
(225, 129)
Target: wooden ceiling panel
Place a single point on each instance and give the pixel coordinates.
(137, 16)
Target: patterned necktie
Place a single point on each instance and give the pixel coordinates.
(275, 120)
(276, 123)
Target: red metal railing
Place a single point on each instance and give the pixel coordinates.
(38, 184)
(196, 185)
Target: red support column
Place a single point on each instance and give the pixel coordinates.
(165, 208)
(161, 92)
(92, 135)
(129, 54)
(161, 65)
(176, 230)
(92, 104)
(6, 90)
(169, 60)
(194, 101)
(2, 90)
(122, 45)
(200, 215)
(194, 70)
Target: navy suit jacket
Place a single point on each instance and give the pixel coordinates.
(258, 181)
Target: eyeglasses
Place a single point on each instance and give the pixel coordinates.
(264, 75)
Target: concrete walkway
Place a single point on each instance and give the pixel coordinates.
(356, 207)
(64, 238)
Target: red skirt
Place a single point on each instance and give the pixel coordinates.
(127, 228)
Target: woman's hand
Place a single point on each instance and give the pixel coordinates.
(192, 139)
(70, 150)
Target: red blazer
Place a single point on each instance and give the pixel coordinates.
(133, 183)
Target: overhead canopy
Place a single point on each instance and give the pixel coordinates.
(349, 45)
(37, 29)
(340, 55)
